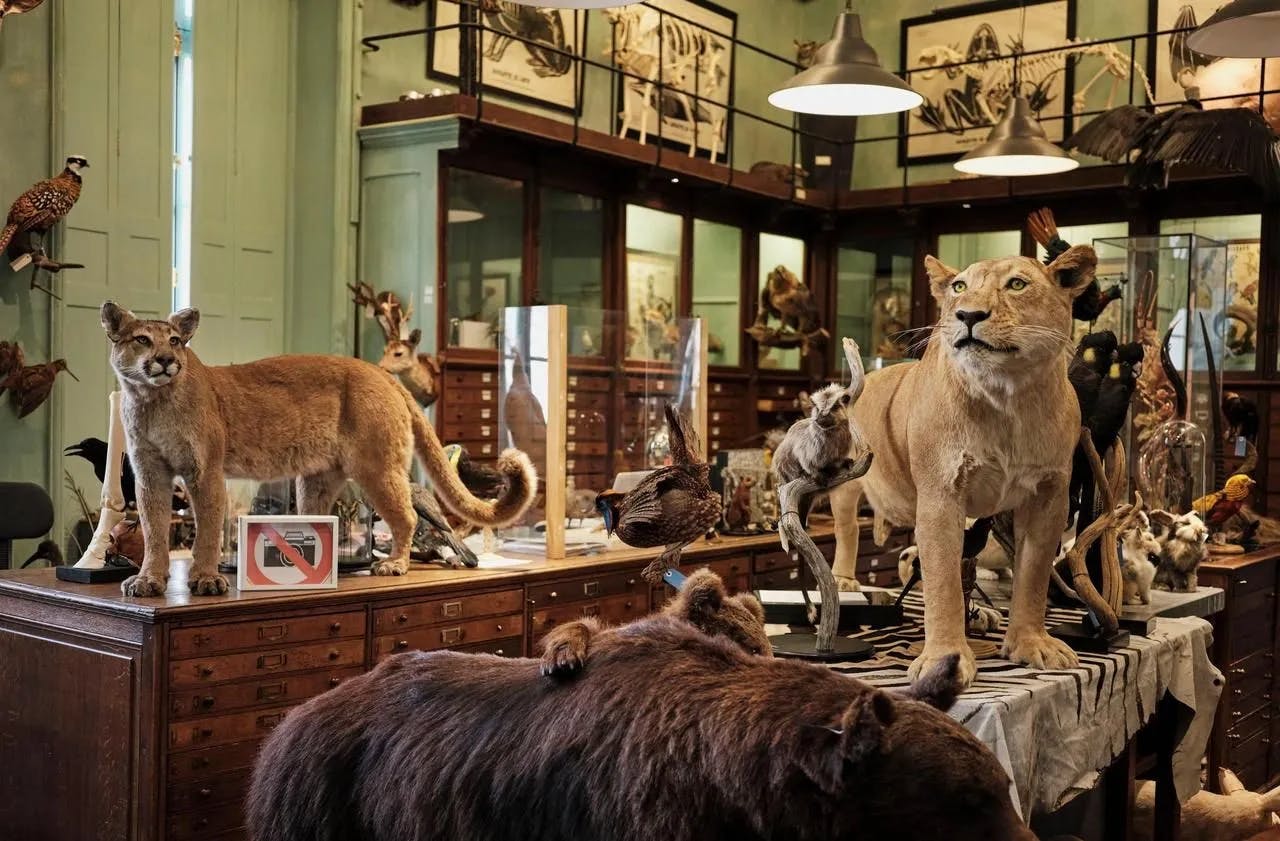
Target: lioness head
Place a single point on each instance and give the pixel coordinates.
(148, 352)
(1008, 314)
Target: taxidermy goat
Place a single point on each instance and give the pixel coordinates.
(322, 419)
(418, 372)
(1235, 815)
(1182, 540)
(1137, 547)
(433, 533)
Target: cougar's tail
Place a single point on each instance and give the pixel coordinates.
(6, 235)
(522, 479)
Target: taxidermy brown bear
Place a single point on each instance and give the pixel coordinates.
(665, 732)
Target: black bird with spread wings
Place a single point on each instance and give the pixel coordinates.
(1222, 139)
(672, 506)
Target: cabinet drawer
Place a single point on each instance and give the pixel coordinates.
(465, 413)
(586, 448)
(724, 409)
(1243, 605)
(1252, 633)
(465, 378)
(209, 762)
(227, 787)
(449, 636)
(458, 608)
(205, 823)
(589, 382)
(665, 384)
(786, 578)
(482, 431)
(506, 647)
(587, 464)
(206, 671)
(774, 561)
(271, 692)
(614, 610)
(597, 401)
(474, 395)
(224, 729)
(586, 589)
(266, 633)
(1246, 727)
(1243, 751)
(1253, 578)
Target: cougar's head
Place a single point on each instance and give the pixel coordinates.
(146, 352)
(1009, 314)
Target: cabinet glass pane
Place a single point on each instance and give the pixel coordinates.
(873, 299)
(717, 288)
(1238, 307)
(484, 246)
(778, 252)
(653, 282)
(571, 265)
(1111, 272)
(962, 250)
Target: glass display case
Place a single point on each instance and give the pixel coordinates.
(1108, 275)
(655, 246)
(873, 299)
(717, 288)
(1180, 294)
(484, 247)
(779, 253)
(571, 265)
(962, 250)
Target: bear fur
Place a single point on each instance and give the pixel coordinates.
(666, 733)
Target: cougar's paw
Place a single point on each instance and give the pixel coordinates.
(984, 618)
(143, 585)
(931, 659)
(390, 566)
(208, 585)
(847, 585)
(563, 659)
(1038, 650)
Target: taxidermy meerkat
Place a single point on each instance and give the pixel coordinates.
(986, 422)
(322, 419)
(1137, 546)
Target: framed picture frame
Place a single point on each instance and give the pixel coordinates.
(962, 104)
(535, 73)
(653, 290)
(696, 41)
(287, 552)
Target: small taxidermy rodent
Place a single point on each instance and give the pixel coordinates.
(819, 443)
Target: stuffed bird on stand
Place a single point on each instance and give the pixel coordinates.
(1218, 507)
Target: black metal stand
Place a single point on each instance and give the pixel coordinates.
(94, 575)
(803, 646)
(1087, 636)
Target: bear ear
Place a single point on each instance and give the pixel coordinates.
(937, 687)
(824, 753)
(114, 319)
(752, 604)
(703, 594)
(1074, 268)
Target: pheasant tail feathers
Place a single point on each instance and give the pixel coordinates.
(6, 236)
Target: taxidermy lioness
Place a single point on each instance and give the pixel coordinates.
(322, 419)
(986, 422)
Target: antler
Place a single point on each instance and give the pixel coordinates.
(391, 315)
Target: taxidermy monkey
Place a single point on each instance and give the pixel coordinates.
(820, 443)
(322, 419)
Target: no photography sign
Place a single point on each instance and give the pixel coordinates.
(287, 553)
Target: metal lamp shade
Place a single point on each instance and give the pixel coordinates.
(1017, 145)
(1243, 29)
(846, 79)
(575, 4)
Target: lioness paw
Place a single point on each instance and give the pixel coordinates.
(143, 586)
(932, 659)
(1038, 650)
(208, 585)
(390, 566)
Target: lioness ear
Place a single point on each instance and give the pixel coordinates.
(114, 319)
(185, 322)
(1074, 268)
(940, 275)
(702, 594)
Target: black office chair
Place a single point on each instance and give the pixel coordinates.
(25, 512)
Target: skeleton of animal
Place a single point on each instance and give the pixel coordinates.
(666, 54)
(1137, 546)
(541, 29)
(418, 372)
(994, 76)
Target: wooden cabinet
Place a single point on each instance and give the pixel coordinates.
(1245, 639)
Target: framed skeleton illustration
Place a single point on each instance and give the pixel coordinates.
(524, 52)
(686, 45)
(961, 103)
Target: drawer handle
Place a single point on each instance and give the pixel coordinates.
(203, 733)
(272, 661)
(402, 644)
(270, 691)
(206, 671)
(206, 703)
(402, 618)
(627, 605)
(267, 722)
(205, 792)
(449, 610)
(451, 636)
(498, 651)
(1242, 582)
(334, 654)
(1237, 713)
(271, 632)
(591, 610)
(591, 588)
(499, 626)
(553, 594)
(335, 627)
(334, 681)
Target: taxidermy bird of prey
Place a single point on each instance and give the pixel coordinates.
(788, 299)
(1090, 304)
(672, 506)
(44, 205)
(94, 451)
(1221, 139)
(1218, 507)
(16, 7)
(29, 388)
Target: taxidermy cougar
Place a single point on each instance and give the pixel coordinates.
(985, 423)
(322, 419)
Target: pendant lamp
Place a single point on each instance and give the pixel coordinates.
(1240, 29)
(846, 78)
(462, 210)
(576, 4)
(1017, 145)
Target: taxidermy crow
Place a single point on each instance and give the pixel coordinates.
(1242, 414)
(1044, 230)
(94, 451)
(1222, 139)
(16, 7)
(48, 552)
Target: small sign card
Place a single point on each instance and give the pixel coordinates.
(287, 552)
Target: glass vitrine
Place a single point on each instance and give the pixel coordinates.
(1109, 274)
(778, 255)
(873, 298)
(962, 250)
(571, 264)
(655, 243)
(484, 234)
(717, 288)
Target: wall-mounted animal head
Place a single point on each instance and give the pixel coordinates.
(1010, 314)
(145, 352)
(401, 355)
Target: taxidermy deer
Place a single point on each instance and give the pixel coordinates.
(418, 372)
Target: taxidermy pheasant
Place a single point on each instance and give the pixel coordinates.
(16, 7)
(672, 506)
(44, 205)
(1218, 507)
(34, 384)
(1044, 230)
(1221, 139)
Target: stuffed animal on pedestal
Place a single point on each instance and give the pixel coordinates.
(1183, 548)
(36, 211)
(786, 298)
(1137, 547)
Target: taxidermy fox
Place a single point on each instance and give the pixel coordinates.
(322, 419)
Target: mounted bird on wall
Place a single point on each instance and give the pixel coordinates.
(9, 8)
(36, 211)
(1234, 140)
(30, 387)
